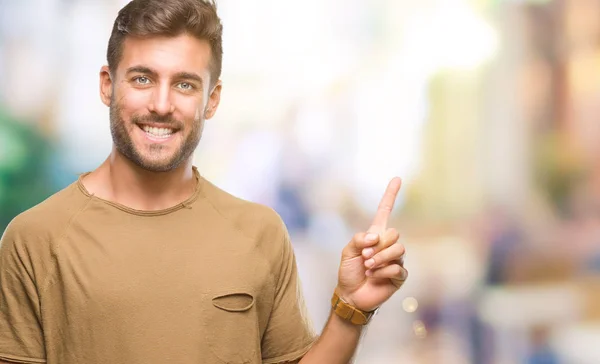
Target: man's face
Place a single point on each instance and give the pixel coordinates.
(159, 98)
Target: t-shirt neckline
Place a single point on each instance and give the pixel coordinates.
(185, 204)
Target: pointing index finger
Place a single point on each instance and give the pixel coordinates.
(386, 206)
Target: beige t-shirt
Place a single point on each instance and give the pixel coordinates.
(211, 280)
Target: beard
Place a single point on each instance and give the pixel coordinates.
(153, 157)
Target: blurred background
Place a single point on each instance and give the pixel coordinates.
(486, 108)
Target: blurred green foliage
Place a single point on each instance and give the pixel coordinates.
(25, 162)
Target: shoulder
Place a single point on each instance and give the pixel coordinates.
(30, 238)
(255, 221)
(47, 219)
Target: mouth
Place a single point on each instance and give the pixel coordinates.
(156, 133)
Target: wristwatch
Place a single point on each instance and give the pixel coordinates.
(349, 312)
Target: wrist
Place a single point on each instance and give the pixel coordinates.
(348, 311)
(344, 322)
(344, 296)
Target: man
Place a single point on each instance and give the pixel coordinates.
(145, 261)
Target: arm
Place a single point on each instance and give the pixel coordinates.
(339, 337)
(21, 336)
(371, 271)
(336, 344)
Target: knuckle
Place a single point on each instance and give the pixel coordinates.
(376, 261)
(401, 249)
(386, 207)
(358, 237)
(346, 251)
(381, 257)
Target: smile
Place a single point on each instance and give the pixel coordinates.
(158, 132)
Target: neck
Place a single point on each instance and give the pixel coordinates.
(121, 181)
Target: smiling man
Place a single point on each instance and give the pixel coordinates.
(144, 261)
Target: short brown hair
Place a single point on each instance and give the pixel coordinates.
(146, 18)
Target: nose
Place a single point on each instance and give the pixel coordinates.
(160, 102)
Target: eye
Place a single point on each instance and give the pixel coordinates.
(142, 80)
(185, 86)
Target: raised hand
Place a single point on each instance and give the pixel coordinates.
(372, 270)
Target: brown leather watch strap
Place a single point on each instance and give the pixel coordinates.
(350, 313)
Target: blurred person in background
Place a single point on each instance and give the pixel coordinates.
(144, 260)
(541, 351)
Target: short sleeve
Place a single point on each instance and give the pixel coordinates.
(21, 336)
(289, 334)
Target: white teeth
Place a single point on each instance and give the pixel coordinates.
(158, 132)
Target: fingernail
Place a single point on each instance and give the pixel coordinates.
(369, 273)
(404, 274)
(367, 252)
(371, 237)
(369, 263)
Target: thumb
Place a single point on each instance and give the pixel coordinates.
(359, 242)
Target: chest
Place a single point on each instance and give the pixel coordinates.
(157, 268)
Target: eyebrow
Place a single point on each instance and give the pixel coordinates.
(178, 75)
(141, 69)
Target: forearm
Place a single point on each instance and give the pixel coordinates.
(337, 343)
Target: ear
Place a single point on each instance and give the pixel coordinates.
(106, 85)
(213, 101)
